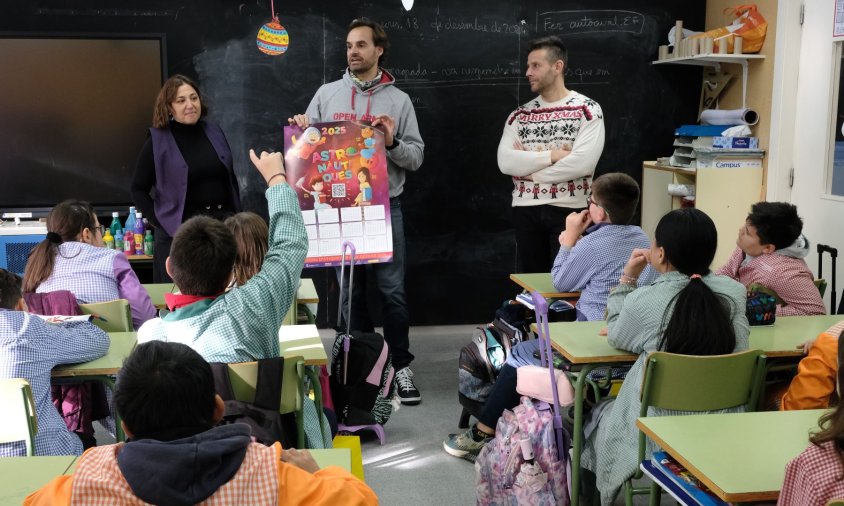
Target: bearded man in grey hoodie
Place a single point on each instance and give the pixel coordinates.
(367, 93)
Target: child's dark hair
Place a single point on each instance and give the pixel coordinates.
(202, 256)
(699, 320)
(776, 223)
(64, 223)
(165, 391)
(832, 423)
(618, 194)
(10, 289)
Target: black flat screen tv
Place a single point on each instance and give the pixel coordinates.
(74, 113)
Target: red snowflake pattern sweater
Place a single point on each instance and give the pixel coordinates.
(536, 128)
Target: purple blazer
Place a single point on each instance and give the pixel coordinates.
(171, 173)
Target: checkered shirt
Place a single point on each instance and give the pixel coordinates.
(813, 477)
(594, 265)
(29, 349)
(242, 325)
(95, 274)
(98, 481)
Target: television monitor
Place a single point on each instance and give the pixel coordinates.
(74, 113)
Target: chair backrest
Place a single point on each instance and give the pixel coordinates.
(244, 379)
(157, 291)
(702, 383)
(111, 316)
(19, 421)
(821, 286)
(835, 502)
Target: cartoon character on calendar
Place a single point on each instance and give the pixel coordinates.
(364, 198)
(317, 185)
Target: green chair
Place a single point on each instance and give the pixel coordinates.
(696, 383)
(157, 291)
(19, 421)
(821, 285)
(244, 380)
(111, 316)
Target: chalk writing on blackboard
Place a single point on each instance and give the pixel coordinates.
(582, 21)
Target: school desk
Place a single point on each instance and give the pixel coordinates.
(541, 282)
(102, 369)
(307, 294)
(741, 457)
(21, 476)
(302, 340)
(581, 345)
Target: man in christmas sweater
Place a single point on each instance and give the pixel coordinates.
(554, 139)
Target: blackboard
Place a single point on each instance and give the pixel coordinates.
(462, 63)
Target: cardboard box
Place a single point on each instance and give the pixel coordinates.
(735, 142)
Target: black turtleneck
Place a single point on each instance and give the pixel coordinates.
(208, 179)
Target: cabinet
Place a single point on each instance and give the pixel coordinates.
(724, 194)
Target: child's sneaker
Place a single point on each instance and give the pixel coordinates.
(465, 445)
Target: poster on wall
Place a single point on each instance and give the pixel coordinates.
(838, 21)
(339, 172)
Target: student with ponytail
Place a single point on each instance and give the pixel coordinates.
(687, 310)
(72, 257)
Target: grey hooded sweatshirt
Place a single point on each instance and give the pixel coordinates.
(343, 100)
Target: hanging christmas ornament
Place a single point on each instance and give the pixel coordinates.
(272, 37)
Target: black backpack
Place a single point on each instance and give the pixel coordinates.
(361, 366)
(262, 415)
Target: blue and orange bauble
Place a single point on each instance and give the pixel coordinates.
(273, 38)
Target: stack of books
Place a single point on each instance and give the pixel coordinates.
(703, 147)
(674, 478)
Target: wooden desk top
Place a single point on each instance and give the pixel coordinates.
(21, 476)
(302, 340)
(307, 294)
(782, 338)
(122, 344)
(741, 457)
(541, 282)
(580, 343)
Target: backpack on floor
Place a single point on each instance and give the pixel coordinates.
(481, 359)
(500, 466)
(361, 367)
(361, 378)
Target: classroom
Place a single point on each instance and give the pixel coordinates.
(465, 161)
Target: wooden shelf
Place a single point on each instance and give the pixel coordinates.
(715, 61)
(668, 168)
(711, 60)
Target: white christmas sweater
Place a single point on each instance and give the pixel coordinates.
(535, 129)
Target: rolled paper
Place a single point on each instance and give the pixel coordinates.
(737, 45)
(678, 32)
(722, 45)
(708, 45)
(729, 117)
(695, 45)
(663, 53)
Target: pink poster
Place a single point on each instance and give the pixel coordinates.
(339, 172)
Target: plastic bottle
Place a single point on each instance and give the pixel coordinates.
(129, 242)
(139, 234)
(115, 226)
(130, 220)
(118, 240)
(108, 239)
(148, 243)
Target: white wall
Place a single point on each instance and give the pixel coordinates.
(811, 109)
